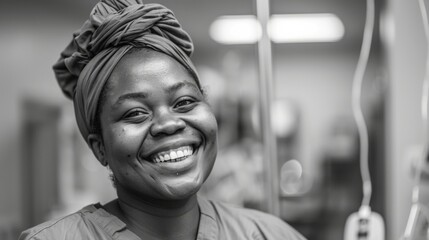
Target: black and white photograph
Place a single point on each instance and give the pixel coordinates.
(214, 120)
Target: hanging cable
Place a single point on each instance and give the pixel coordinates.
(356, 101)
(364, 224)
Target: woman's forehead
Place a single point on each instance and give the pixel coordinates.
(148, 62)
(147, 70)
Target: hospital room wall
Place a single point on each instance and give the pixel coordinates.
(406, 52)
(29, 46)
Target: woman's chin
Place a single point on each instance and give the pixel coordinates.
(180, 191)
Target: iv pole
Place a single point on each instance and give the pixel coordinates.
(265, 100)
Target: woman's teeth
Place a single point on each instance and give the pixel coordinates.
(174, 155)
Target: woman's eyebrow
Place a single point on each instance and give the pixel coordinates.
(173, 88)
(133, 95)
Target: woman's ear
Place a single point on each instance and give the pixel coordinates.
(96, 144)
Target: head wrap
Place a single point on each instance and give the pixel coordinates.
(114, 27)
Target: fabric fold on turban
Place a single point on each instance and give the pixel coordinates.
(114, 27)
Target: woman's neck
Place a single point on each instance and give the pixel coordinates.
(160, 219)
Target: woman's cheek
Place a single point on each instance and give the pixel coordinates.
(211, 126)
(126, 141)
(206, 116)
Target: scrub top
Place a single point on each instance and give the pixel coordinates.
(217, 222)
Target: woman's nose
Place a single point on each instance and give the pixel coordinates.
(166, 123)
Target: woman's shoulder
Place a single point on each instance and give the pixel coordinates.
(247, 215)
(58, 228)
(251, 221)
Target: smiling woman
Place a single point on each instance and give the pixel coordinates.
(140, 108)
(152, 115)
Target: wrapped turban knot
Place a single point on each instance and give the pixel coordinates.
(114, 27)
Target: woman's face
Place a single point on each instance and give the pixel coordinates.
(159, 134)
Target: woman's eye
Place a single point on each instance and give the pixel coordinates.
(184, 103)
(135, 115)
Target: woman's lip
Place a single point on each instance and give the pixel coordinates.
(179, 167)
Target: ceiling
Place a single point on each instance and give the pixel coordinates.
(196, 16)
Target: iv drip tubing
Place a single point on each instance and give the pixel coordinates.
(424, 18)
(356, 101)
(425, 89)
